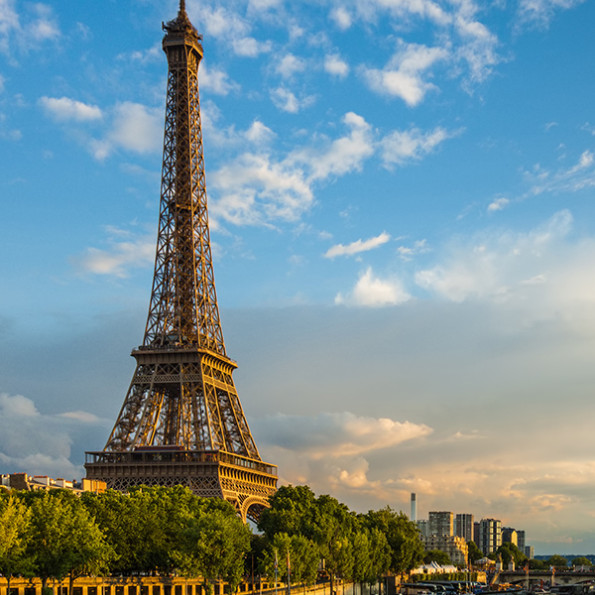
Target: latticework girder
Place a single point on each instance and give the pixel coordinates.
(182, 395)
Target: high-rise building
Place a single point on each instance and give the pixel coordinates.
(520, 535)
(529, 551)
(464, 526)
(423, 527)
(490, 535)
(413, 508)
(510, 535)
(441, 523)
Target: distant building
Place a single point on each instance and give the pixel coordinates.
(423, 528)
(490, 535)
(520, 535)
(441, 523)
(464, 526)
(476, 533)
(23, 481)
(455, 547)
(510, 535)
(529, 552)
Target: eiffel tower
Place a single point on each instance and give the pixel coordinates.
(182, 421)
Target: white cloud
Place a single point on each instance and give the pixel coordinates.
(371, 291)
(403, 75)
(137, 128)
(498, 204)
(408, 252)
(341, 18)
(17, 406)
(249, 47)
(216, 81)
(235, 30)
(44, 26)
(344, 154)
(258, 133)
(519, 269)
(358, 246)
(287, 101)
(27, 30)
(35, 442)
(289, 65)
(259, 186)
(335, 66)
(399, 147)
(575, 178)
(540, 12)
(254, 189)
(339, 434)
(125, 252)
(66, 109)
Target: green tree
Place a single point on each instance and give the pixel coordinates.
(437, 556)
(402, 536)
(65, 541)
(581, 561)
(474, 553)
(14, 535)
(557, 561)
(292, 511)
(510, 552)
(538, 564)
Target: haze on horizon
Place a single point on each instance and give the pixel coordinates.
(402, 217)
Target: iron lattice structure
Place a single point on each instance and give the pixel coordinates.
(182, 421)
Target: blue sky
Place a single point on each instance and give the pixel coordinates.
(401, 203)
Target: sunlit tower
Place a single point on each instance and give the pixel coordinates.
(182, 421)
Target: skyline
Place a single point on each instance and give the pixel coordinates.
(403, 239)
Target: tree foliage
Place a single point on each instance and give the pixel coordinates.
(402, 535)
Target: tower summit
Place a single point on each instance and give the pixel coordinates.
(182, 421)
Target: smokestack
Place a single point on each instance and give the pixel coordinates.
(413, 508)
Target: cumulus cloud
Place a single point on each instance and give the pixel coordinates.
(335, 66)
(225, 24)
(357, 246)
(341, 18)
(216, 81)
(371, 291)
(289, 65)
(528, 270)
(260, 186)
(344, 154)
(399, 147)
(126, 251)
(404, 75)
(35, 442)
(66, 109)
(137, 128)
(338, 434)
(287, 101)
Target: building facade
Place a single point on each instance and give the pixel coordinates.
(490, 535)
(455, 547)
(441, 524)
(464, 526)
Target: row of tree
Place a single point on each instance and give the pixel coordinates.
(55, 534)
